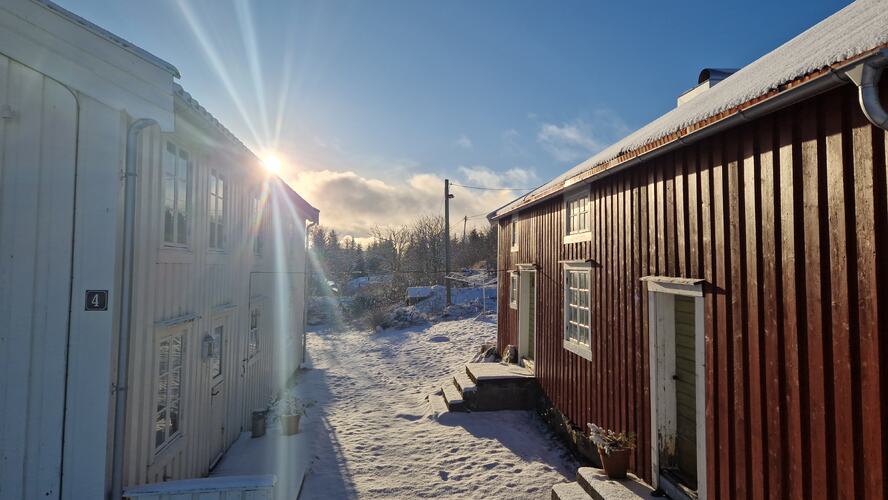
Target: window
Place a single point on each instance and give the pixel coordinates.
(577, 315)
(176, 195)
(253, 339)
(514, 232)
(216, 353)
(513, 290)
(578, 215)
(216, 211)
(257, 227)
(169, 380)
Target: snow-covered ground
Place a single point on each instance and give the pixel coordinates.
(374, 435)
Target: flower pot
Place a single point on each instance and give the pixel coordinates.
(615, 463)
(289, 424)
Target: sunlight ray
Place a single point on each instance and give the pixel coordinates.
(248, 35)
(218, 66)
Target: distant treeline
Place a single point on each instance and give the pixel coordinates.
(412, 254)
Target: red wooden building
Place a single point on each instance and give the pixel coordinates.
(717, 282)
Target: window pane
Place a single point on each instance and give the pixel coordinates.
(164, 357)
(176, 352)
(162, 393)
(159, 429)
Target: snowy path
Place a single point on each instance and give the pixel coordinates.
(375, 435)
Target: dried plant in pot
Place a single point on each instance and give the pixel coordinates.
(289, 411)
(614, 449)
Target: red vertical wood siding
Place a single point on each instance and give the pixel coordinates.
(786, 220)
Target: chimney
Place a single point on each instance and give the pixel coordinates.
(707, 79)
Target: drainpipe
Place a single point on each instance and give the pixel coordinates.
(305, 272)
(126, 303)
(866, 76)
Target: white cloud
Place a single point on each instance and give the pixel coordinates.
(579, 139)
(352, 204)
(464, 142)
(482, 176)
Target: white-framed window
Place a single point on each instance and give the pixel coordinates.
(256, 224)
(513, 290)
(168, 384)
(513, 231)
(577, 308)
(253, 337)
(576, 213)
(176, 195)
(216, 354)
(216, 210)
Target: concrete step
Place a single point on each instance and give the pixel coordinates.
(600, 487)
(464, 383)
(569, 491)
(453, 397)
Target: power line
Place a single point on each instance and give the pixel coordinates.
(492, 189)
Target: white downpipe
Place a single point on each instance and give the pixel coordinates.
(126, 304)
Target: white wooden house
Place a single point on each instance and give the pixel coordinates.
(152, 273)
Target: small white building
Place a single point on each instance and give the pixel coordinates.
(151, 272)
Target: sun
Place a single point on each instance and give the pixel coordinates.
(272, 163)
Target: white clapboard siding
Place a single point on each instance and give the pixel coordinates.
(37, 171)
(197, 288)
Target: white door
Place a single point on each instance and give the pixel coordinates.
(38, 134)
(678, 453)
(527, 317)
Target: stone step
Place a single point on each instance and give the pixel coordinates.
(437, 403)
(600, 487)
(464, 383)
(569, 491)
(453, 398)
(500, 372)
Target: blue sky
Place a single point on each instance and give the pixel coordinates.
(385, 98)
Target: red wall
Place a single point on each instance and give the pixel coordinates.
(786, 220)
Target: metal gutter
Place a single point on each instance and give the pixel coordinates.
(866, 76)
(126, 303)
(869, 69)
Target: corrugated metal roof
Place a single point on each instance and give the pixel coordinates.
(107, 35)
(855, 30)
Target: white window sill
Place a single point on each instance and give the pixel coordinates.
(578, 237)
(175, 255)
(578, 349)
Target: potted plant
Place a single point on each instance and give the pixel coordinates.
(289, 411)
(614, 449)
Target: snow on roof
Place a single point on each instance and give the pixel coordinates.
(111, 37)
(858, 28)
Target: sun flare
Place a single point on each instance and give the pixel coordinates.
(272, 163)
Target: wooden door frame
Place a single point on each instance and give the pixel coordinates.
(661, 317)
(526, 273)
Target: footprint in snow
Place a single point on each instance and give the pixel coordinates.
(407, 416)
(440, 338)
(444, 475)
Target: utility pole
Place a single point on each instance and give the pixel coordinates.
(465, 221)
(447, 197)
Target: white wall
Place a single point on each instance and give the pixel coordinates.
(37, 168)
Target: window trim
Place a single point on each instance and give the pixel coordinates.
(189, 200)
(585, 235)
(514, 289)
(570, 344)
(180, 332)
(513, 232)
(250, 357)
